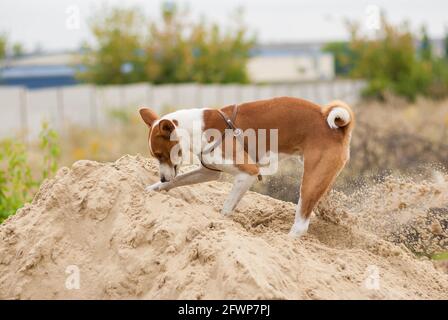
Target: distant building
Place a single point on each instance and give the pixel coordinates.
(279, 63)
(290, 62)
(39, 71)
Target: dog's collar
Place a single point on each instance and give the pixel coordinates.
(230, 122)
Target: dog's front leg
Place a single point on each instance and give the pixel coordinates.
(159, 186)
(195, 176)
(242, 183)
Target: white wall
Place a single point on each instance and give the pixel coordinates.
(22, 111)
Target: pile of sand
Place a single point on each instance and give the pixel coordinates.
(127, 243)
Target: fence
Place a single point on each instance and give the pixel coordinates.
(22, 111)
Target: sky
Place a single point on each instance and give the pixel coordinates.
(52, 25)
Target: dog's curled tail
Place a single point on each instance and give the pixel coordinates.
(338, 114)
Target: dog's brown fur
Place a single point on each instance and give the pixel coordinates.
(302, 129)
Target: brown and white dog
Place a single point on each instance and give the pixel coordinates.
(321, 135)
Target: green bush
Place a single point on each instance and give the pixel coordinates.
(17, 184)
(3, 44)
(15, 177)
(128, 47)
(344, 57)
(392, 63)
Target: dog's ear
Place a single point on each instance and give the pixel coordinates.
(148, 116)
(166, 127)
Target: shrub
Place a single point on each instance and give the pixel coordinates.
(344, 57)
(17, 184)
(130, 48)
(15, 177)
(48, 144)
(391, 62)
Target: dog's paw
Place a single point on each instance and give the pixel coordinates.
(158, 186)
(226, 211)
(298, 230)
(296, 234)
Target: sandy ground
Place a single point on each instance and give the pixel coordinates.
(97, 219)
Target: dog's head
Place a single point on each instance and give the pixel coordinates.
(163, 144)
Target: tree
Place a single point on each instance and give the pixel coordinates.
(169, 56)
(3, 45)
(6, 49)
(344, 57)
(445, 44)
(222, 55)
(128, 48)
(390, 62)
(17, 50)
(117, 56)
(425, 46)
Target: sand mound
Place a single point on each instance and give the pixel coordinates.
(127, 243)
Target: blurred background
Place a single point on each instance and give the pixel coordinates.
(73, 74)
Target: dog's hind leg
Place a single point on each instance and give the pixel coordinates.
(195, 176)
(320, 170)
